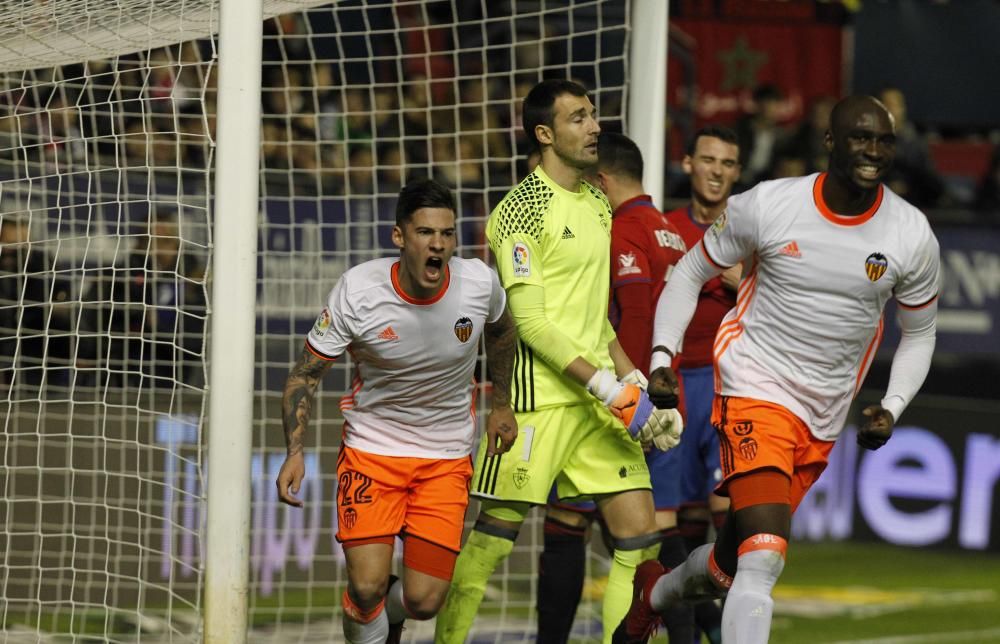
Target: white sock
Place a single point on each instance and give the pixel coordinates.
(395, 609)
(687, 582)
(746, 618)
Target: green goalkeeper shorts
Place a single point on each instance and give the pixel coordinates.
(582, 448)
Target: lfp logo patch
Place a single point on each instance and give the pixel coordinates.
(522, 261)
(719, 225)
(322, 323)
(875, 266)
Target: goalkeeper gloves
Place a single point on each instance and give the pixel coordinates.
(627, 400)
(664, 427)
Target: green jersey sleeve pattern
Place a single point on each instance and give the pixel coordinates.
(604, 210)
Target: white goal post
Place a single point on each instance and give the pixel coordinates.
(172, 215)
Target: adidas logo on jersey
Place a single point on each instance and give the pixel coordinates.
(388, 334)
(791, 249)
(567, 233)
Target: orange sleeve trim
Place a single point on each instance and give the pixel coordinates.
(704, 251)
(915, 307)
(319, 354)
(764, 541)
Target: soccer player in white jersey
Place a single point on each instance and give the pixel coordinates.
(580, 401)
(412, 326)
(828, 252)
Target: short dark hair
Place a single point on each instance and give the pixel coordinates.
(537, 106)
(422, 193)
(619, 155)
(716, 132)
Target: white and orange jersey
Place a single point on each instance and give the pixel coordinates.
(415, 360)
(808, 316)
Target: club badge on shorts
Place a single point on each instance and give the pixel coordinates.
(522, 261)
(463, 329)
(875, 266)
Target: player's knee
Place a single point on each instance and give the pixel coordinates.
(367, 592)
(426, 605)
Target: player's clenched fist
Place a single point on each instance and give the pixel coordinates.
(877, 428)
(663, 388)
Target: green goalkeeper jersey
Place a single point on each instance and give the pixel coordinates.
(542, 234)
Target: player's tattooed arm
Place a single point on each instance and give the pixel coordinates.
(501, 341)
(501, 426)
(297, 401)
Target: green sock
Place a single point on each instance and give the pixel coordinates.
(475, 564)
(618, 594)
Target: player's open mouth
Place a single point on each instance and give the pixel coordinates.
(433, 268)
(870, 172)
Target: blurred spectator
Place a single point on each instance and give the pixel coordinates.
(759, 134)
(60, 140)
(391, 167)
(806, 144)
(463, 170)
(353, 127)
(787, 164)
(478, 115)
(36, 311)
(913, 176)
(166, 91)
(361, 172)
(416, 118)
(143, 318)
(988, 193)
(426, 41)
(286, 38)
(385, 118)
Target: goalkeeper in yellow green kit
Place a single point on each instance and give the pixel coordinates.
(580, 402)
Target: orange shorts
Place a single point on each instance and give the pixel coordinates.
(383, 496)
(757, 435)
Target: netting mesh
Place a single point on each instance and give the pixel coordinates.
(107, 117)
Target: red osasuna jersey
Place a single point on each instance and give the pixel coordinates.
(644, 247)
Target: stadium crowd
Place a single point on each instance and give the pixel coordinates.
(353, 129)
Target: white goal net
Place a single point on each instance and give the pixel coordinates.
(107, 120)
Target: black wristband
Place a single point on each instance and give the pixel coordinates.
(663, 349)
